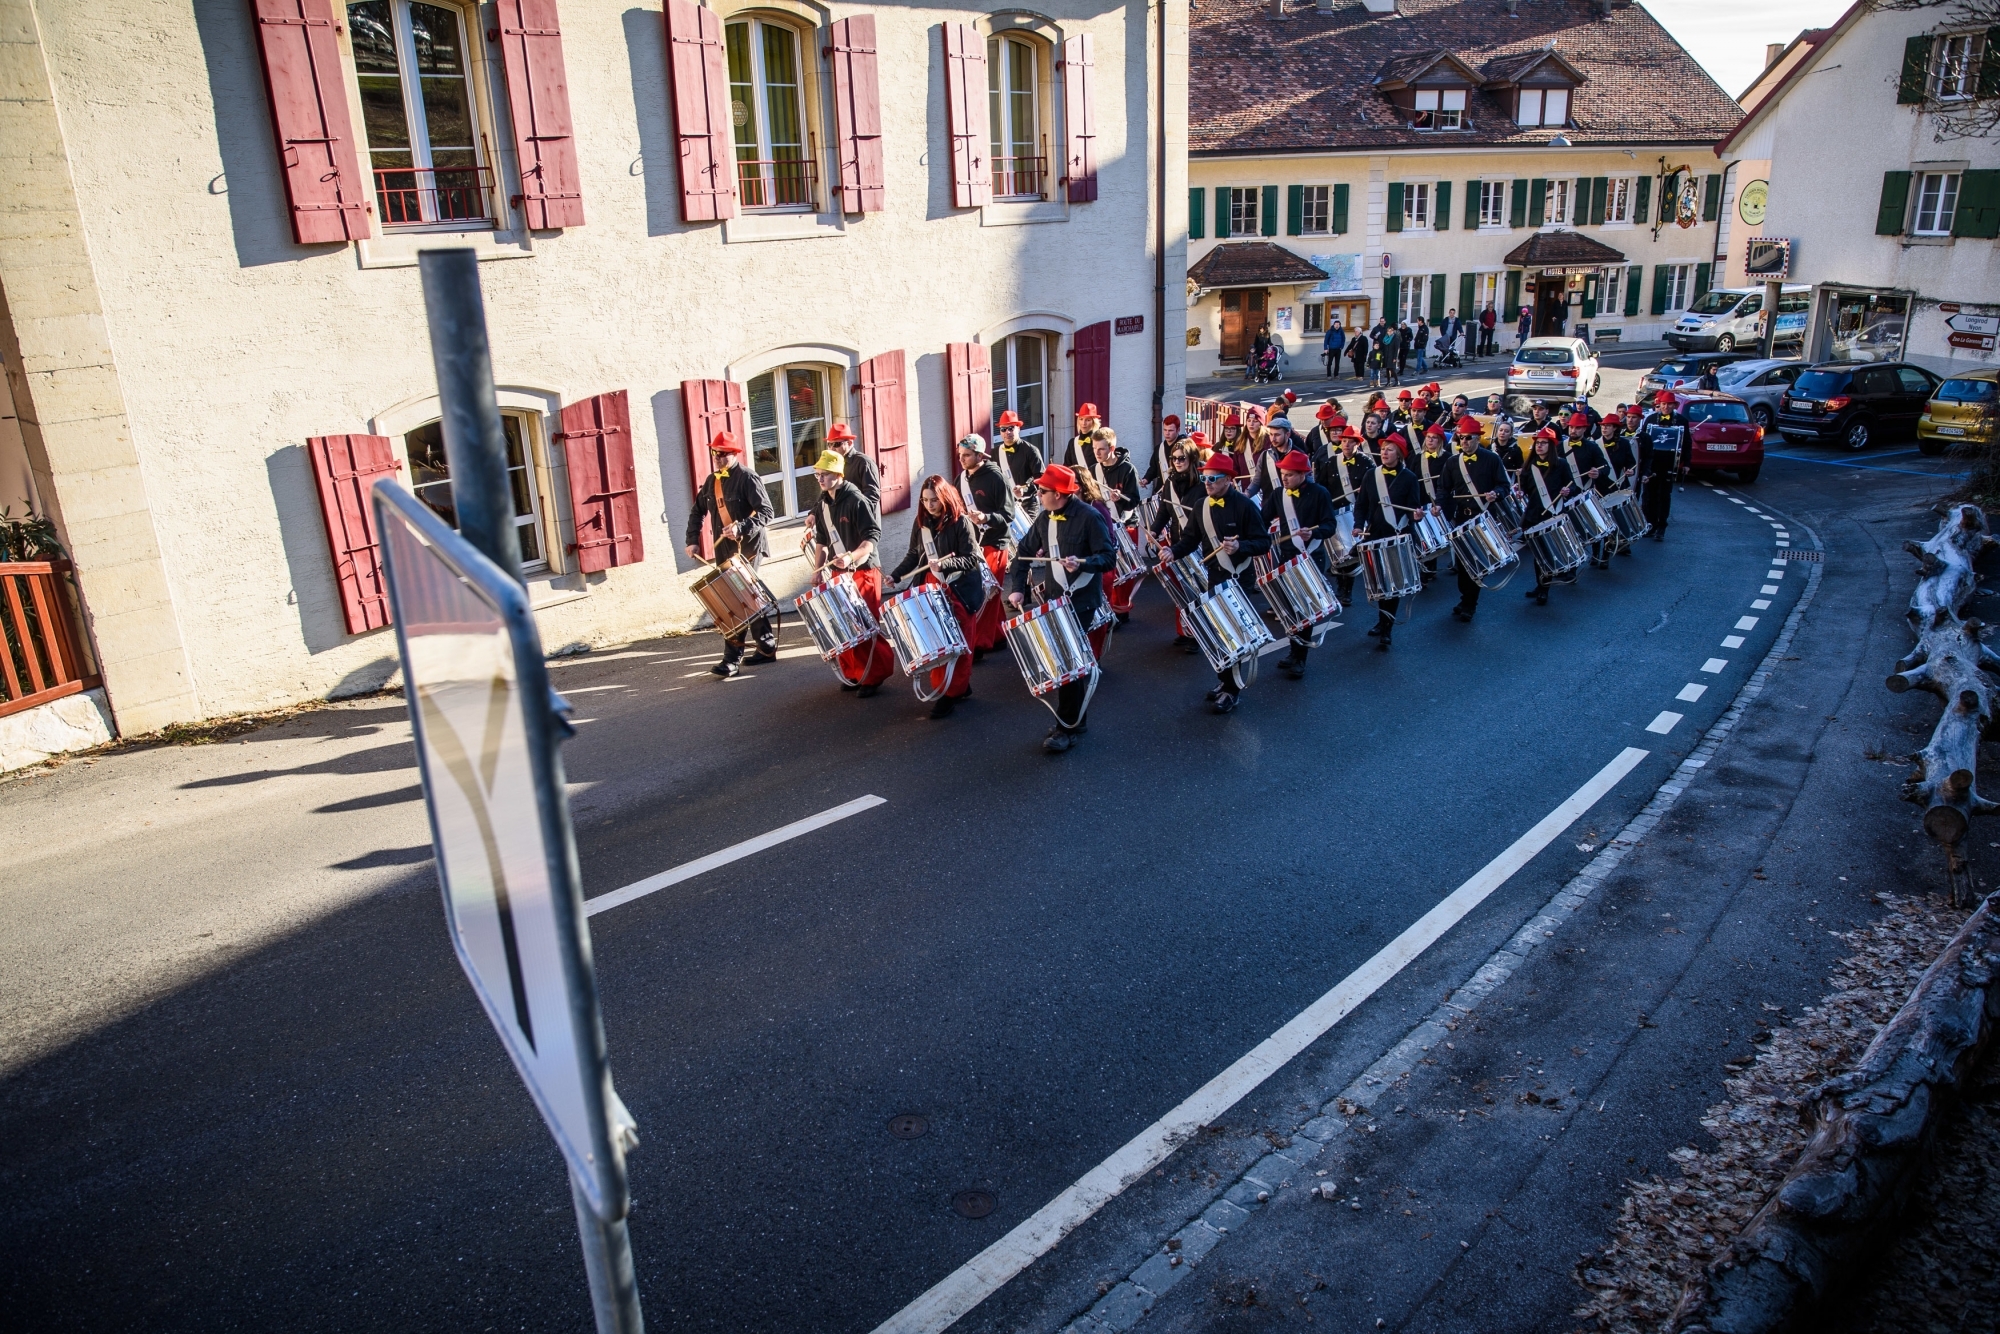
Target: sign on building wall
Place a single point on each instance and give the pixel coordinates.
(1130, 324)
(1754, 202)
(1343, 275)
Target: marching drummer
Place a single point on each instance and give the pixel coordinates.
(1432, 468)
(1661, 441)
(1591, 469)
(1392, 495)
(858, 467)
(736, 507)
(1343, 478)
(945, 550)
(846, 532)
(1115, 477)
(1019, 459)
(1228, 530)
(990, 504)
(1324, 438)
(1302, 516)
(1078, 456)
(1156, 467)
(1173, 515)
(1064, 552)
(1545, 482)
(1477, 479)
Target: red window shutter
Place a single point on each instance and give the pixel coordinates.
(970, 367)
(307, 84)
(701, 112)
(603, 490)
(1091, 355)
(538, 103)
(345, 468)
(885, 425)
(1079, 130)
(708, 406)
(857, 114)
(965, 112)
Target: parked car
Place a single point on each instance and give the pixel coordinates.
(1682, 372)
(1559, 368)
(1721, 434)
(1855, 405)
(1964, 410)
(1759, 383)
(1726, 317)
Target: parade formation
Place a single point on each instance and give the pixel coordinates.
(1258, 534)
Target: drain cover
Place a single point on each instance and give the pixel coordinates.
(1814, 557)
(973, 1203)
(908, 1125)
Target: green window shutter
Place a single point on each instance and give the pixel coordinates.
(1267, 216)
(1989, 65)
(1600, 191)
(1339, 223)
(1978, 205)
(1916, 68)
(1222, 212)
(1711, 197)
(1659, 289)
(1895, 203)
(1590, 297)
(1471, 205)
(1437, 296)
(1517, 207)
(1633, 277)
(1701, 272)
(1465, 296)
(1295, 209)
(1642, 201)
(1197, 212)
(1512, 310)
(1538, 202)
(1394, 222)
(1392, 299)
(1441, 212)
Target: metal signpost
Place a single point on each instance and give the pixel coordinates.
(487, 726)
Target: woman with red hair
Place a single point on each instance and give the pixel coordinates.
(945, 547)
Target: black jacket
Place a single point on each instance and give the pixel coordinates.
(1619, 451)
(1487, 475)
(1316, 514)
(1356, 473)
(1406, 494)
(861, 471)
(1661, 441)
(854, 520)
(1582, 456)
(1153, 460)
(1023, 462)
(1120, 482)
(1555, 476)
(1235, 516)
(958, 557)
(748, 504)
(1182, 486)
(988, 491)
(1081, 532)
(1434, 475)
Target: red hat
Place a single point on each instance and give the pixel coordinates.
(1468, 426)
(1234, 418)
(1199, 439)
(1634, 410)
(1171, 420)
(840, 431)
(1546, 433)
(1221, 461)
(1327, 411)
(1009, 418)
(1435, 430)
(1086, 410)
(1663, 399)
(1423, 391)
(1403, 397)
(1433, 388)
(1578, 421)
(724, 443)
(1350, 434)
(1296, 461)
(1057, 478)
(1289, 396)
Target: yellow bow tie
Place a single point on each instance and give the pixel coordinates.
(1060, 518)
(1388, 472)
(1290, 492)
(722, 472)
(1214, 503)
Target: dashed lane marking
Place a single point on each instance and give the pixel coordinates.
(1768, 588)
(1746, 623)
(1732, 641)
(1691, 692)
(1664, 723)
(1761, 604)
(1714, 665)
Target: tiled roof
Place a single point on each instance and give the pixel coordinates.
(1251, 264)
(1560, 249)
(1305, 81)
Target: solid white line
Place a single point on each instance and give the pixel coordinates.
(1746, 622)
(1691, 692)
(1664, 723)
(1715, 665)
(639, 889)
(984, 1274)
(1732, 641)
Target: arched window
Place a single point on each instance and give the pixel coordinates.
(788, 412)
(1016, 86)
(768, 106)
(1021, 384)
(425, 140)
(430, 480)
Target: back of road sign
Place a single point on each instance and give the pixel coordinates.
(483, 714)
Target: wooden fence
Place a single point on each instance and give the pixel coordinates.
(40, 658)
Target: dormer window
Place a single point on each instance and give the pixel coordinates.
(1542, 106)
(1440, 109)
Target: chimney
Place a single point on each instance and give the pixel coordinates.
(1323, 6)
(1277, 9)
(1771, 53)
(1379, 6)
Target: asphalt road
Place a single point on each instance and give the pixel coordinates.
(246, 1085)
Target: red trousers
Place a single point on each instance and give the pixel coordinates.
(1120, 595)
(873, 662)
(985, 632)
(1097, 639)
(960, 683)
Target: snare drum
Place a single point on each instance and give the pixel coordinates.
(1186, 579)
(733, 596)
(1389, 567)
(1131, 566)
(1556, 546)
(1507, 510)
(1049, 646)
(1225, 626)
(1018, 524)
(1340, 547)
(1431, 533)
(1626, 514)
(1299, 595)
(922, 629)
(1482, 547)
(836, 615)
(1592, 524)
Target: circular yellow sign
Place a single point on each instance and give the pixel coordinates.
(1752, 201)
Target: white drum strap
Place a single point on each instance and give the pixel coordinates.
(1208, 526)
(1173, 496)
(1346, 484)
(1054, 566)
(832, 533)
(1430, 482)
(1535, 471)
(1470, 489)
(1396, 521)
(1292, 524)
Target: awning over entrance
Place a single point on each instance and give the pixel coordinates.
(1562, 250)
(1252, 264)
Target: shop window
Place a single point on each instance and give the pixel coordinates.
(1243, 211)
(1416, 205)
(430, 480)
(421, 122)
(787, 410)
(1542, 106)
(1440, 109)
(1937, 202)
(1015, 84)
(775, 168)
(1316, 210)
(1493, 203)
(1021, 383)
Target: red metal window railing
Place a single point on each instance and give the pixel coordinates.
(784, 182)
(415, 196)
(1021, 177)
(39, 648)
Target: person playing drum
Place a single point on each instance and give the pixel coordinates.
(944, 550)
(1231, 442)
(1344, 475)
(736, 507)
(1078, 456)
(1065, 551)
(1433, 468)
(1018, 459)
(1174, 512)
(1301, 516)
(1545, 482)
(1118, 481)
(1156, 467)
(1229, 531)
(1662, 441)
(1392, 495)
(989, 502)
(1618, 452)
(1592, 469)
(1477, 478)
(845, 534)
(858, 467)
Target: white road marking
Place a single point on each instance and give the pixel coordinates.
(1781, 538)
(1761, 604)
(1732, 641)
(1664, 723)
(1768, 588)
(984, 1274)
(639, 889)
(1746, 622)
(1714, 665)
(1691, 692)
(1774, 574)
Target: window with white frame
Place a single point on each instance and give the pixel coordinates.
(1315, 317)
(1541, 106)
(1416, 204)
(1493, 203)
(1679, 278)
(1561, 205)
(1937, 201)
(1021, 384)
(424, 132)
(1440, 109)
(1243, 211)
(1414, 296)
(1609, 288)
(1014, 95)
(767, 103)
(1485, 291)
(1316, 210)
(1618, 199)
(788, 421)
(1955, 65)
(430, 481)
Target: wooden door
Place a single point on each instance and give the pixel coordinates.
(1233, 341)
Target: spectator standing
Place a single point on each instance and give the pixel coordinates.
(1524, 326)
(1448, 333)
(1357, 352)
(1331, 347)
(1420, 343)
(1489, 319)
(1404, 339)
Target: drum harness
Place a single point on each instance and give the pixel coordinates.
(840, 549)
(1243, 677)
(1056, 572)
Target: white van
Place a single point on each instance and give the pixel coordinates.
(1727, 317)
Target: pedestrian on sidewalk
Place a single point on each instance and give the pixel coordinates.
(1357, 352)
(1489, 319)
(1420, 343)
(1449, 331)
(1331, 347)
(1524, 326)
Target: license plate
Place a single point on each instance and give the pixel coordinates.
(1720, 447)
(1950, 430)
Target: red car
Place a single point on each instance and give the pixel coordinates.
(1722, 434)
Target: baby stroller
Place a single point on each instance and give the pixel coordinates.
(1448, 359)
(1265, 368)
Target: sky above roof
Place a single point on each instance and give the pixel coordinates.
(1728, 36)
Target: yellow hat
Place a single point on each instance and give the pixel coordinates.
(831, 462)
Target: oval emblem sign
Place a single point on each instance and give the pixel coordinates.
(1752, 203)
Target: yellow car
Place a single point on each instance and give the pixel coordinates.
(1964, 410)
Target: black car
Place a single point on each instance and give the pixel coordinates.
(1855, 404)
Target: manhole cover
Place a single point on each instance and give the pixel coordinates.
(1813, 557)
(908, 1125)
(973, 1203)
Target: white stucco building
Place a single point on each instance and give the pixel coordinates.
(773, 215)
